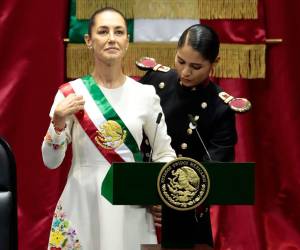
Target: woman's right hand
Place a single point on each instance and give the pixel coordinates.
(68, 106)
(155, 210)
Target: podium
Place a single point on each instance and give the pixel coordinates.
(136, 184)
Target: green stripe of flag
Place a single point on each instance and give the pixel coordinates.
(78, 28)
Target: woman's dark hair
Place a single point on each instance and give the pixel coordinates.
(203, 39)
(92, 18)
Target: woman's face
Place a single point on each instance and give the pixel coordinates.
(191, 67)
(109, 39)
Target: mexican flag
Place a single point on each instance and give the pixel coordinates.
(155, 26)
(160, 30)
(139, 29)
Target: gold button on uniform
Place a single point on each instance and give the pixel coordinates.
(189, 131)
(179, 155)
(147, 142)
(184, 145)
(161, 85)
(204, 105)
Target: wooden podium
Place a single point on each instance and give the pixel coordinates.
(136, 184)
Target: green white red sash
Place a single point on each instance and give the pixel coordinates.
(97, 112)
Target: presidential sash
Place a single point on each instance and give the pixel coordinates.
(101, 123)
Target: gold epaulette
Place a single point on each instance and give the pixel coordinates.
(240, 105)
(148, 63)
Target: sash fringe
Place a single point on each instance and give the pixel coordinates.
(237, 60)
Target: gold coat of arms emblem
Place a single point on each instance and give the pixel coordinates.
(110, 135)
(183, 184)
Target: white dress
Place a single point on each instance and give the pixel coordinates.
(84, 219)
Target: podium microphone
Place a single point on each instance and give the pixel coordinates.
(158, 119)
(194, 123)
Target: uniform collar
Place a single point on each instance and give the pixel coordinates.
(194, 89)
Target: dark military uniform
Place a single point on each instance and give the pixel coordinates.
(215, 122)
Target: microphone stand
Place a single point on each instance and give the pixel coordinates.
(194, 123)
(158, 119)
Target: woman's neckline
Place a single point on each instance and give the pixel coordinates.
(101, 85)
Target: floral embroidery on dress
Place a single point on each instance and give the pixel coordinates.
(49, 141)
(62, 235)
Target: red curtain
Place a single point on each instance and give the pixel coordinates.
(32, 67)
(268, 135)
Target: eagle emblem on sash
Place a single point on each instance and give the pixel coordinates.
(110, 135)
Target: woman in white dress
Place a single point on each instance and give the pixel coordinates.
(104, 115)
